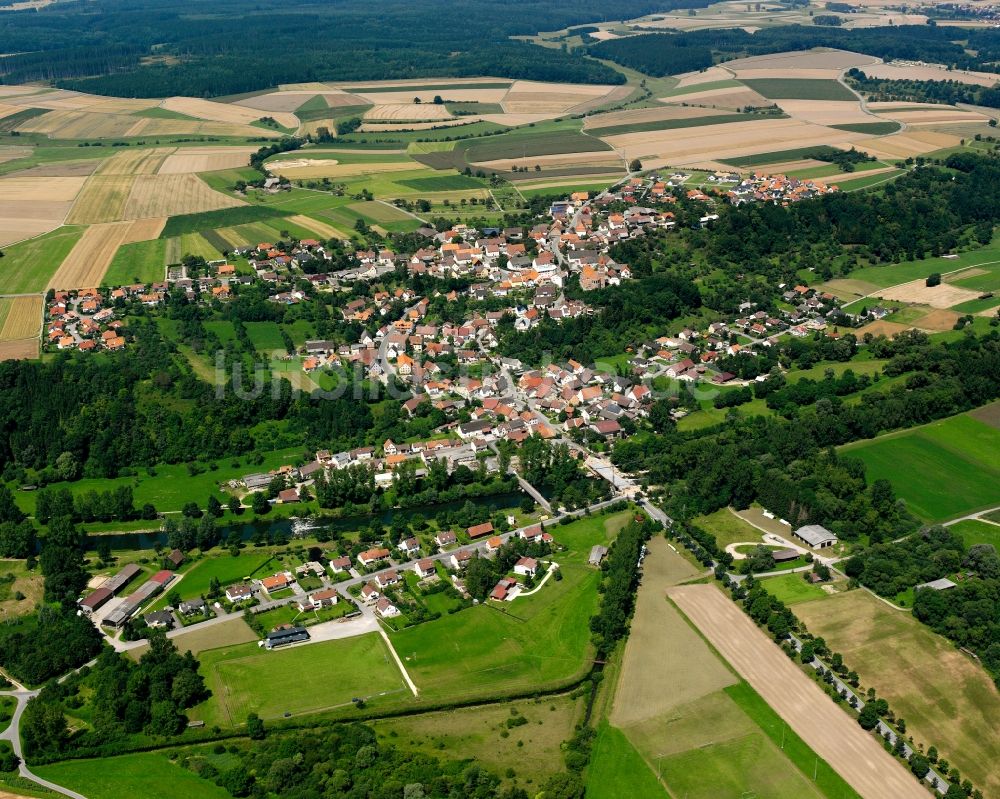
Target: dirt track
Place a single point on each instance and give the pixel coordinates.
(831, 732)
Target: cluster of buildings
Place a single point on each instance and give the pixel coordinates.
(83, 320)
(115, 615)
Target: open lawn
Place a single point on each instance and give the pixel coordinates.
(946, 698)
(728, 528)
(532, 750)
(974, 531)
(223, 567)
(942, 469)
(246, 679)
(29, 266)
(792, 588)
(894, 274)
(265, 336)
(151, 776)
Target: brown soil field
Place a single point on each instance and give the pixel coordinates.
(830, 731)
(946, 698)
(882, 328)
(661, 642)
(60, 169)
(221, 112)
(899, 71)
(937, 321)
(849, 288)
(988, 414)
(24, 318)
(917, 292)
(400, 112)
(289, 101)
(688, 145)
(22, 350)
(809, 61)
(135, 162)
(826, 112)
(720, 98)
(171, 195)
(321, 229)
(102, 200)
(90, 257)
(646, 115)
(600, 158)
(205, 159)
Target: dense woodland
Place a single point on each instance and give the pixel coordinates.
(923, 91)
(158, 48)
(661, 54)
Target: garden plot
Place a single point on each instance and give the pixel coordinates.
(205, 159)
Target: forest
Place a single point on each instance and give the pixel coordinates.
(662, 54)
(948, 92)
(157, 48)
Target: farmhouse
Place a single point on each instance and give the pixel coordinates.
(526, 566)
(479, 530)
(816, 536)
(285, 635)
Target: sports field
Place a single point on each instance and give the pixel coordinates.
(151, 776)
(946, 698)
(300, 679)
(832, 734)
(942, 470)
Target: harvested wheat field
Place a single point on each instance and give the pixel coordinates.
(531, 97)
(641, 115)
(918, 292)
(90, 257)
(301, 168)
(691, 145)
(371, 126)
(402, 112)
(403, 96)
(22, 317)
(102, 200)
(910, 142)
(830, 731)
(22, 350)
(60, 169)
(661, 642)
(145, 229)
(826, 112)
(937, 321)
(312, 127)
(944, 115)
(898, 71)
(205, 159)
(135, 162)
(56, 100)
(172, 195)
(222, 112)
(321, 229)
(735, 98)
(710, 75)
(33, 205)
(808, 63)
(882, 328)
(150, 126)
(289, 101)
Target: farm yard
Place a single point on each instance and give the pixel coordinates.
(946, 698)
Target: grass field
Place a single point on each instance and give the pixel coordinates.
(800, 89)
(873, 128)
(867, 181)
(532, 750)
(941, 470)
(29, 266)
(728, 528)
(151, 776)
(778, 156)
(225, 568)
(444, 183)
(265, 336)
(617, 769)
(245, 679)
(894, 274)
(141, 262)
(670, 124)
(792, 588)
(946, 698)
(225, 217)
(974, 531)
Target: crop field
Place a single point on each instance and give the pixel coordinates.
(33, 205)
(412, 112)
(102, 199)
(20, 317)
(780, 156)
(28, 266)
(524, 145)
(87, 262)
(222, 112)
(205, 159)
(941, 470)
(245, 679)
(699, 121)
(226, 217)
(135, 162)
(138, 262)
(831, 733)
(152, 776)
(171, 195)
(443, 183)
(317, 228)
(946, 698)
(800, 89)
